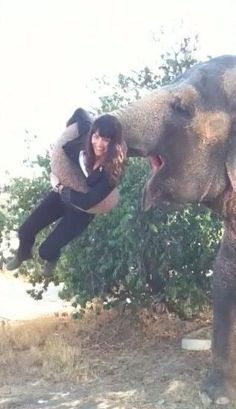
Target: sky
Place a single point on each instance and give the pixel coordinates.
(52, 50)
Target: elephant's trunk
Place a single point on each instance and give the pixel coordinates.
(142, 122)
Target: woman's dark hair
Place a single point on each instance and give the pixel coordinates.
(108, 126)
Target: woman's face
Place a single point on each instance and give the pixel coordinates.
(99, 144)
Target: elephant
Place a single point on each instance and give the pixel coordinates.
(187, 130)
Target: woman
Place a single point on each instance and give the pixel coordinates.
(102, 163)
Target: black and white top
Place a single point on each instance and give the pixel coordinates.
(97, 180)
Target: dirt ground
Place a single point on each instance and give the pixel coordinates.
(105, 361)
(158, 376)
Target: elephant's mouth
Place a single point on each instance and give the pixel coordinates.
(150, 193)
(156, 162)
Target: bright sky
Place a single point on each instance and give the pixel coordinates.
(51, 50)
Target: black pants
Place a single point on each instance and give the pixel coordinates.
(72, 224)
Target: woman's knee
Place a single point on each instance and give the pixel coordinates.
(47, 253)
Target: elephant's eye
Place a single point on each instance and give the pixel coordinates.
(180, 109)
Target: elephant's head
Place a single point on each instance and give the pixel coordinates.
(185, 129)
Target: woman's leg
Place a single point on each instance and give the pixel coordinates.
(73, 223)
(48, 211)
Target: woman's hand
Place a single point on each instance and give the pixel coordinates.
(59, 188)
(65, 193)
(56, 185)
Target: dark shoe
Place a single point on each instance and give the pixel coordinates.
(14, 263)
(49, 267)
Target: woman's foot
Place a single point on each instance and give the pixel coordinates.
(49, 267)
(18, 259)
(14, 263)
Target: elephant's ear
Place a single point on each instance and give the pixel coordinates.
(231, 165)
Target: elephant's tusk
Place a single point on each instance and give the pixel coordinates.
(205, 191)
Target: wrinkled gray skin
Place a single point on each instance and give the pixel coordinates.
(188, 130)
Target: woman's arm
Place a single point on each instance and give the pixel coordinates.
(87, 200)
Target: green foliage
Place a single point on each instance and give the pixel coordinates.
(134, 254)
(2, 223)
(177, 61)
(127, 253)
(131, 87)
(24, 192)
(2, 226)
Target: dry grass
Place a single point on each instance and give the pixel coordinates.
(167, 326)
(61, 350)
(48, 348)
